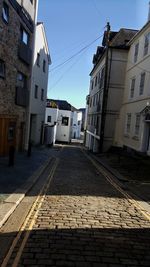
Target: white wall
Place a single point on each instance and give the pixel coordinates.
(63, 132)
(137, 103)
(39, 78)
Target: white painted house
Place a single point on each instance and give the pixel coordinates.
(58, 115)
(38, 94)
(133, 126)
(100, 126)
(76, 123)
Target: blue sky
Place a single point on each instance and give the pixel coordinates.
(71, 25)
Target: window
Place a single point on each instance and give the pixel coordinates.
(49, 118)
(36, 91)
(128, 123)
(132, 88)
(24, 36)
(42, 94)
(65, 121)
(21, 80)
(38, 59)
(5, 12)
(2, 69)
(92, 84)
(146, 44)
(102, 78)
(95, 80)
(31, 1)
(137, 124)
(44, 66)
(142, 81)
(136, 52)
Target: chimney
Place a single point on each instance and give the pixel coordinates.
(149, 12)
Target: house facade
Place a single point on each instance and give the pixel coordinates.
(76, 123)
(113, 83)
(133, 125)
(17, 27)
(58, 116)
(38, 93)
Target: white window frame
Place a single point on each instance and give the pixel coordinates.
(132, 87)
(142, 83)
(137, 124)
(128, 123)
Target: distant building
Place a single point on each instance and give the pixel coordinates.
(83, 110)
(62, 121)
(133, 124)
(58, 115)
(113, 84)
(17, 28)
(76, 122)
(38, 95)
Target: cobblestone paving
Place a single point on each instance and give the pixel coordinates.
(84, 221)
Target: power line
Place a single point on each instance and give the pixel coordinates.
(76, 54)
(68, 69)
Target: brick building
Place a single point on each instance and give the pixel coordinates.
(17, 26)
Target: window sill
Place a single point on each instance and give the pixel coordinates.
(135, 138)
(127, 135)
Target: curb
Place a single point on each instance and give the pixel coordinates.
(11, 203)
(120, 181)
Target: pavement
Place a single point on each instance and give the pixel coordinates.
(17, 180)
(134, 174)
(83, 220)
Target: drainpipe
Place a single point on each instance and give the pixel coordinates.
(105, 92)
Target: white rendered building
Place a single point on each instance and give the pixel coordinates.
(38, 94)
(133, 126)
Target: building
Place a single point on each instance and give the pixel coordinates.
(17, 27)
(83, 110)
(133, 125)
(106, 89)
(38, 93)
(76, 123)
(58, 115)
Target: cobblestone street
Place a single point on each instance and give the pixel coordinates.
(85, 221)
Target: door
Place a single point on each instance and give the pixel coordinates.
(7, 135)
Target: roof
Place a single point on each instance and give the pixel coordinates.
(60, 104)
(139, 32)
(118, 40)
(45, 40)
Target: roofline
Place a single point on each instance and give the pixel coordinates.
(45, 41)
(139, 32)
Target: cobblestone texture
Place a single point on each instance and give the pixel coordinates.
(84, 221)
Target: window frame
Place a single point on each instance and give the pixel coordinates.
(142, 83)
(44, 66)
(137, 124)
(63, 123)
(128, 123)
(36, 91)
(136, 51)
(48, 118)
(132, 87)
(5, 12)
(38, 59)
(42, 94)
(146, 44)
(3, 66)
(23, 31)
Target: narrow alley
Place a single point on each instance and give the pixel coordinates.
(80, 218)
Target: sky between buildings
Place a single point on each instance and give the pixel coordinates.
(73, 24)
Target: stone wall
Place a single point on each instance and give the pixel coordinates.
(9, 44)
